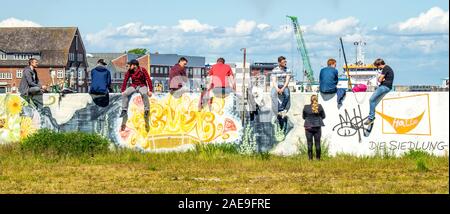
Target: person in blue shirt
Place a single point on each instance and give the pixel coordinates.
(101, 84)
(329, 78)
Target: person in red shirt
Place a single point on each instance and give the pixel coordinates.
(140, 83)
(221, 79)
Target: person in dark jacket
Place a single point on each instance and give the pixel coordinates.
(101, 84)
(178, 78)
(30, 87)
(328, 78)
(313, 115)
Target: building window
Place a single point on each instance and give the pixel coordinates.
(152, 70)
(6, 76)
(157, 70)
(19, 74)
(60, 74)
(2, 56)
(80, 57)
(71, 56)
(22, 56)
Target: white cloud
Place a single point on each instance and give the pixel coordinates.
(263, 26)
(13, 22)
(282, 32)
(131, 29)
(193, 25)
(244, 28)
(340, 26)
(435, 20)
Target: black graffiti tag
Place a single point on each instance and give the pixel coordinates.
(350, 126)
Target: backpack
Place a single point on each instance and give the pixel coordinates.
(360, 88)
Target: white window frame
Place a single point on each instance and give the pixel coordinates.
(60, 74)
(19, 74)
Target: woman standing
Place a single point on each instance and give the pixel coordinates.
(313, 115)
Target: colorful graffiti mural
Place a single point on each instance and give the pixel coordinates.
(405, 121)
(178, 121)
(13, 125)
(412, 119)
(173, 122)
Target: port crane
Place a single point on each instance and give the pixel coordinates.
(301, 47)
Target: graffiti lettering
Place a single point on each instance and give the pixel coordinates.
(408, 145)
(350, 126)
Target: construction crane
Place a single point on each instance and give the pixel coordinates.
(301, 47)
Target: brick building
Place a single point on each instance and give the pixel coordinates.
(60, 51)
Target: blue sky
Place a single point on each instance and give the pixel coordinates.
(412, 36)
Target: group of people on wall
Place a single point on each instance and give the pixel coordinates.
(222, 83)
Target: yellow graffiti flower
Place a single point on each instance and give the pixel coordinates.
(26, 127)
(14, 105)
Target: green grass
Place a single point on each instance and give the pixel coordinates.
(217, 169)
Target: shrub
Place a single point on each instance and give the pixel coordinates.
(417, 154)
(46, 141)
(422, 166)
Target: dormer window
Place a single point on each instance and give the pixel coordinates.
(22, 56)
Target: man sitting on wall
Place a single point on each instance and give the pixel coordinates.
(101, 84)
(140, 83)
(30, 87)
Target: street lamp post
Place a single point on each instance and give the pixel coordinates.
(243, 87)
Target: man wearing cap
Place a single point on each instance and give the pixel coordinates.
(140, 83)
(101, 83)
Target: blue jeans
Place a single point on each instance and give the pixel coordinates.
(376, 98)
(285, 100)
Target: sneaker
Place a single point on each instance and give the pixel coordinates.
(124, 113)
(368, 122)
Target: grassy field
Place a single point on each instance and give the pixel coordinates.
(218, 170)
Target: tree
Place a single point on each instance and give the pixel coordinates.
(139, 51)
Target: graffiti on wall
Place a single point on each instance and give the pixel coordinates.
(176, 124)
(349, 126)
(13, 125)
(173, 122)
(178, 121)
(413, 118)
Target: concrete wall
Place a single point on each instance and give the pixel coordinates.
(404, 121)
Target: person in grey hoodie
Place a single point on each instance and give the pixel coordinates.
(30, 87)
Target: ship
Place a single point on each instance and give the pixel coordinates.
(359, 71)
